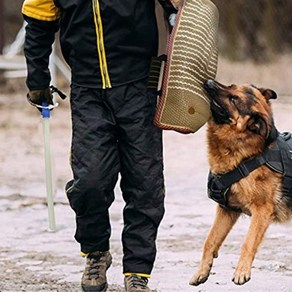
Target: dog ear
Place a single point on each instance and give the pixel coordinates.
(258, 125)
(268, 93)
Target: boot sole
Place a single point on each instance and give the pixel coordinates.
(94, 289)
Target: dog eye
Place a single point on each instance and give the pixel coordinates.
(233, 97)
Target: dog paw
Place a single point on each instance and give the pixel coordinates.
(199, 278)
(241, 276)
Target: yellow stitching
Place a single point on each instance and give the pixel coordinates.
(103, 47)
(98, 43)
(138, 274)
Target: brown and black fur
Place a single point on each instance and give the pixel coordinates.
(241, 124)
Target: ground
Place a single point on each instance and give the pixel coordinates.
(34, 259)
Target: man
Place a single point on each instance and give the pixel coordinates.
(109, 45)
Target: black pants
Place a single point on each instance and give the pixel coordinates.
(113, 132)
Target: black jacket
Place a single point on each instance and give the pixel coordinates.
(105, 42)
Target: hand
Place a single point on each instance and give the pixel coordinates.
(170, 9)
(37, 97)
(172, 19)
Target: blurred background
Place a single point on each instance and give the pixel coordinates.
(255, 43)
(259, 30)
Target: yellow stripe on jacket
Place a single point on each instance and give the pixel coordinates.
(41, 9)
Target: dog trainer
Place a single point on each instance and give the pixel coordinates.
(108, 45)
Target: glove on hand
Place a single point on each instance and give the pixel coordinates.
(37, 97)
(171, 19)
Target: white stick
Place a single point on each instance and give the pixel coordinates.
(48, 170)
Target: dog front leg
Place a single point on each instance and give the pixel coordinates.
(260, 220)
(223, 223)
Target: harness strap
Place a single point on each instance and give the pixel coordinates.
(242, 170)
(226, 180)
(287, 179)
(218, 185)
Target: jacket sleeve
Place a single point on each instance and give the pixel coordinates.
(42, 17)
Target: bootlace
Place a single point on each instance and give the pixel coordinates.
(138, 282)
(94, 265)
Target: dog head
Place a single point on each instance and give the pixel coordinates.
(245, 109)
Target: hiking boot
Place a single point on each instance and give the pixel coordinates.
(94, 276)
(135, 283)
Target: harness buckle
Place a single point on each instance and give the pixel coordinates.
(216, 190)
(285, 135)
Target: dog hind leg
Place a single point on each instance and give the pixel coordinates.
(260, 220)
(223, 223)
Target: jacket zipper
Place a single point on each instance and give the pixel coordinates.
(100, 45)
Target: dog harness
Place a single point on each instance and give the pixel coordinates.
(278, 157)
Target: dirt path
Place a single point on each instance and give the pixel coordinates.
(33, 259)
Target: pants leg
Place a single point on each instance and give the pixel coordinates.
(95, 165)
(142, 182)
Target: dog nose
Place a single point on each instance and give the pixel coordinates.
(209, 84)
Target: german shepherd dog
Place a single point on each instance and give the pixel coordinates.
(240, 128)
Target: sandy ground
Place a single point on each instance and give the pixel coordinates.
(33, 259)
